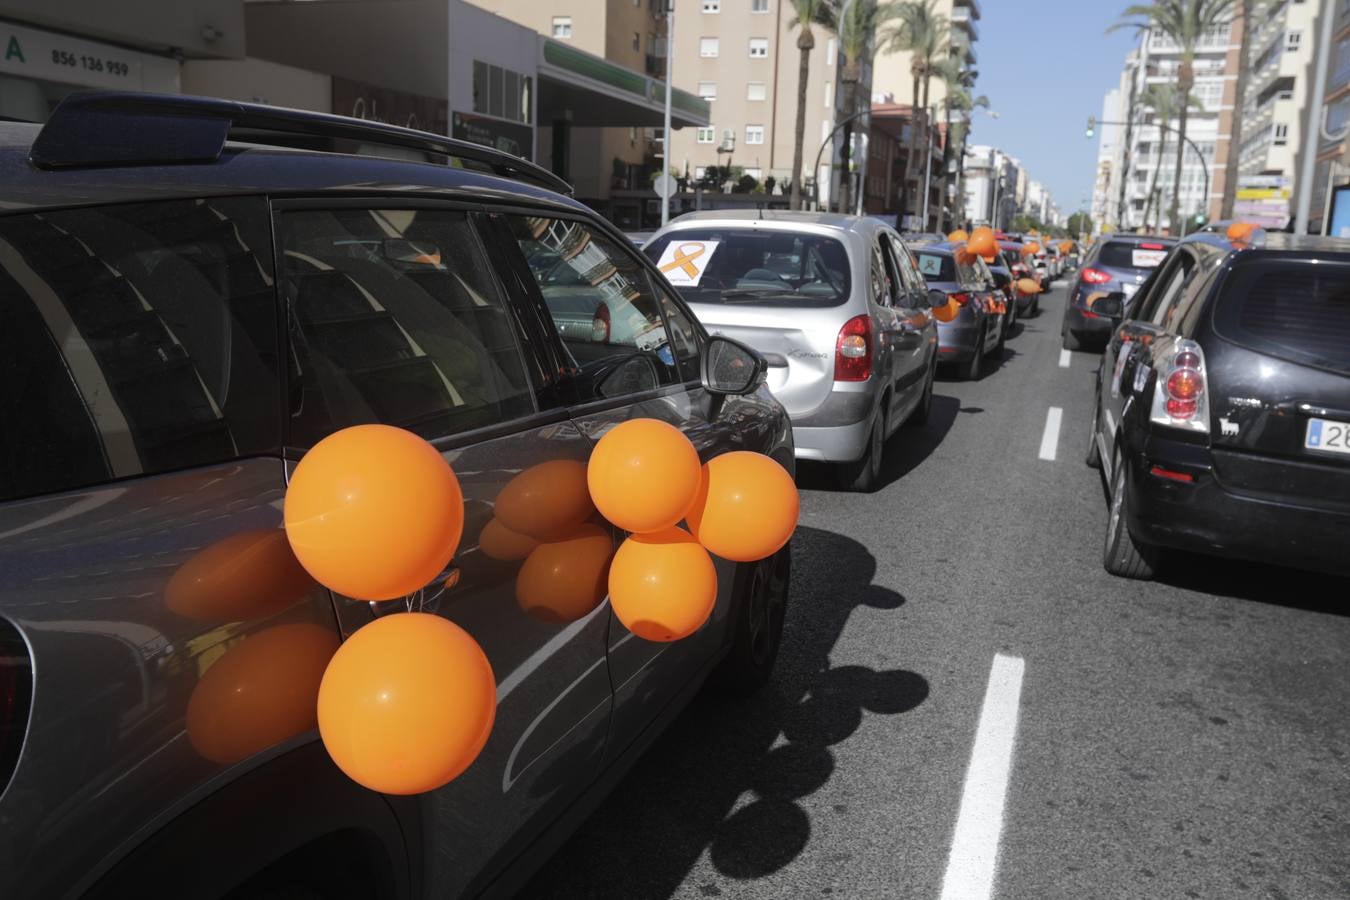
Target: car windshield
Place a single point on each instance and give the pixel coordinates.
(1131, 255)
(935, 266)
(1299, 311)
(753, 266)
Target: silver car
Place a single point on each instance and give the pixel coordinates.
(836, 306)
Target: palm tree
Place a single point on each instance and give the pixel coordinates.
(805, 14)
(1164, 100)
(1185, 23)
(923, 32)
(857, 34)
(958, 81)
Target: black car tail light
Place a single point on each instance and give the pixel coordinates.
(16, 693)
(1180, 399)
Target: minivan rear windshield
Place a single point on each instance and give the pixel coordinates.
(1298, 311)
(753, 266)
(935, 266)
(1132, 254)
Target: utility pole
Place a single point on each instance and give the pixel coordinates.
(665, 128)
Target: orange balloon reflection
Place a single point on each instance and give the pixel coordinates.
(249, 575)
(546, 501)
(259, 692)
(501, 543)
(563, 580)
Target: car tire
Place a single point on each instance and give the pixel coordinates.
(761, 593)
(1035, 309)
(1094, 455)
(861, 475)
(1122, 554)
(1002, 340)
(972, 370)
(1071, 340)
(925, 407)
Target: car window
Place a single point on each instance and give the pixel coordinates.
(913, 286)
(1292, 309)
(135, 339)
(883, 285)
(754, 267)
(1164, 310)
(394, 317)
(601, 302)
(1131, 254)
(685, 334)
(935, 266)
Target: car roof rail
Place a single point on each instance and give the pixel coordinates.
(123, 128)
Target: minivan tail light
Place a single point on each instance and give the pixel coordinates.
(853, 350)
(1181, 396)
(1095, 276)
(16, 691)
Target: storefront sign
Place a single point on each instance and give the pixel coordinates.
(44, 56)
(379, 104)
(510, 137)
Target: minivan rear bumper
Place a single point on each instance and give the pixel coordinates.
(837, 430)
(957, 339)
(1205, 516)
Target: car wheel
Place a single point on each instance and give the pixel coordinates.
(1035, 309)
(1094, 455)
(1012, 315)
(1002, 339)
(972, 370)
(861, 476)
(762, 594)
(921, 412)
(1123, 555)
(1071, 341)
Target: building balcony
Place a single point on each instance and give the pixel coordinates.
(962, 18)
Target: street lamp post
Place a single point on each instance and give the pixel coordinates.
(665, 129)
(829, 138)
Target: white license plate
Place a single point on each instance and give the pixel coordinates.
(1327, 436)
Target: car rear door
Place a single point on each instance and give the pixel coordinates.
(917, 333)
(609, 378)
(395, 316)
(1277, 344)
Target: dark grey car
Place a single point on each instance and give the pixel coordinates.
(1118, 264)
(181, 316)
(977, 330)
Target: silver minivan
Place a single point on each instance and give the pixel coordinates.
(836, 306)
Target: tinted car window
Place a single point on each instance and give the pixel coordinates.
(135, 339)
(935, 266)
(1131, 255)
(602, 304)
(684, 331)
(1292, 310)
(755, 266)
(395, 318)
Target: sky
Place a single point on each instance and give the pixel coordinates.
(1045, 66)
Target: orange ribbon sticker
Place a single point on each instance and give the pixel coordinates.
(678, 261)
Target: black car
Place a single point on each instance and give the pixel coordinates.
(1222, 418)
(1117, 264)
(193, 293)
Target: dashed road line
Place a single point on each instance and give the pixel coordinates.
(1050, 437)
(979, 824)
(1064, 357)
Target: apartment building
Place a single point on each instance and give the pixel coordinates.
(1332, 145)
(996, 186)
(1105, 202)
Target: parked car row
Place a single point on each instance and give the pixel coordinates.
(1222, 410)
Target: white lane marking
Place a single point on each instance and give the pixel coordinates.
(979, 824)
(1064, 357)
(1050, 438)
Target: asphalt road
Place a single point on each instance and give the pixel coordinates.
(1181, 738)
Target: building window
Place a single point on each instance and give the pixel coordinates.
(707, 90)
(830, 52)
(707, 135)
(754, 134)
(759, 6)
(712, 6)
(562, 26)
(502, 93)
(1285, 95)
(637, 42)
(707, 47)
(698, 172)
(759, 48)
(1292, 40)
(1281, 134)
(829, 94)
(755, 91)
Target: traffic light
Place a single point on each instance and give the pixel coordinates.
(1092, 126)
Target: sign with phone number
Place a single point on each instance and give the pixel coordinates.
(31, 53)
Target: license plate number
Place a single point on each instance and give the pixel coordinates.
(1328, 436)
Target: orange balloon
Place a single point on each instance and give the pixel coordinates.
(983, 244)
(374, 512)
(1028, 286)
(546, 500)
(643, 475)
(1031, 249)
(662, 586)
(1240, 231)
(249, 575)
(407, 703)
(947, 313)
(747, 506)
(963, 255)
(1065, 247)
(260, 692)
(958, 236)
(499, 542)
(564, 580)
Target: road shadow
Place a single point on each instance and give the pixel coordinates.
(1243, 579)
(726, 778)
(908, 447)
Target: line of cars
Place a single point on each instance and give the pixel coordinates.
(1221, 418)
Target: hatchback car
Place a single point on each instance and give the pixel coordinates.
(183, 315)
(978, 329)
(1118, 264)
(1223, 407)
(836, 306)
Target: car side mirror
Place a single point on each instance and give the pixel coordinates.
(936, 299)
(730, 367)
(1112, 305)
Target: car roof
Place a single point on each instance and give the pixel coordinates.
(1138, 239)
(1274, 241)
(242, 169)
(761, 217)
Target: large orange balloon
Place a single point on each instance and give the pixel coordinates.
(374, 512)
(1240, 231)
(662, 586)
(546, 500)
(982, 243)
(563, 580)
(747, 506)
(260, 692)
(1028, 286)
(1031, 249)
(407, 703)
(958, 236)
(643, 475)
(249, 575)
(947, 313)
(499, 542)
